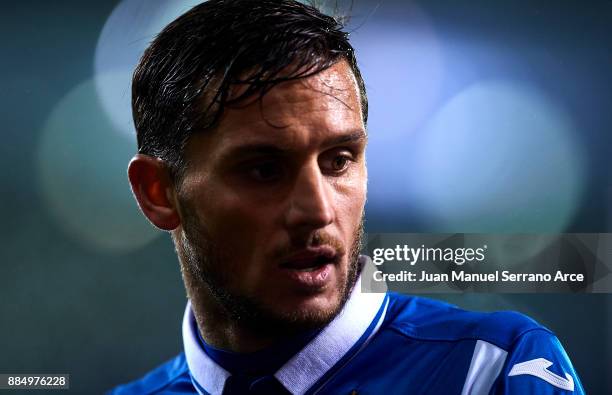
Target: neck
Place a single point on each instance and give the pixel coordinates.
(222, 331)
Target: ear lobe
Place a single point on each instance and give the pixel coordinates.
(153, 189)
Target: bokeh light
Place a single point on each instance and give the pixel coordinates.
(401, 59)
(130, 28)
(402, 64)
(498, 157)
(82, 174)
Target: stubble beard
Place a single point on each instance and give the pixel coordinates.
(201, 258)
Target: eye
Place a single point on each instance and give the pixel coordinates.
(339, 163)
(265, 171)
(336, 163)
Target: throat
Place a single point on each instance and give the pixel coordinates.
(262, 362)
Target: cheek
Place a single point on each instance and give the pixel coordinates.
(350, 209)
(351, 194)
(241, 229)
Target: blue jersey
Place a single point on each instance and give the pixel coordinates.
(392, 344)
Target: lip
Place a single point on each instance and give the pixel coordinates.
(310, 257)
(310, 269)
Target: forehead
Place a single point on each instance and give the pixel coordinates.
(295, 114)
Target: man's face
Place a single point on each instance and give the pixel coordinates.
(272, 203)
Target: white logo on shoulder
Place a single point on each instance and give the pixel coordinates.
(539, 368)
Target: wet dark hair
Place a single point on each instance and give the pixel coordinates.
(184, 79)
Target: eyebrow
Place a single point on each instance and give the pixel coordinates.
(352, 137)
(279, 150)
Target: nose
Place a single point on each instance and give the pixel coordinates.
(311, 200)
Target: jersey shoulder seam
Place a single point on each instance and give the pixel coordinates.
(179, 373)
(409, 331)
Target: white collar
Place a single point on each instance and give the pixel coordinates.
(306, 367)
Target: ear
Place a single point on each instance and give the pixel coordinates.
(154, 191)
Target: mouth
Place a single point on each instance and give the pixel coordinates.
(310, 259)
(311, 269)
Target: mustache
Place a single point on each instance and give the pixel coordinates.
(317, 239)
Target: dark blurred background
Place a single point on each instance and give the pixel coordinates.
(485, 117)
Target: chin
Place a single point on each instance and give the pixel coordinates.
(302, 312)
(314, 305)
